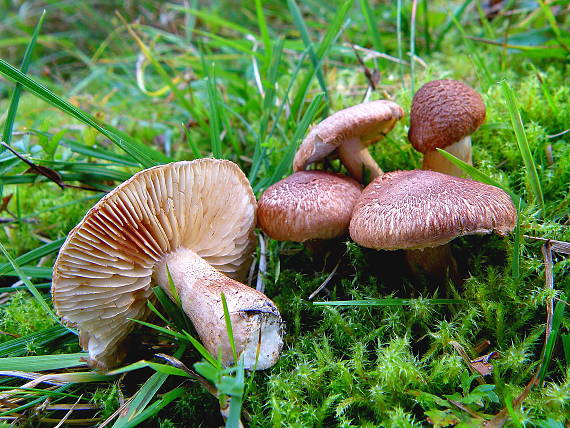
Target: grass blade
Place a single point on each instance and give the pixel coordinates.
(136, 409)
(44, 362)
(35, 254)
(530, 168)
(301, 26)
(32, 289)
(21, 345)
(515, 264)
(371, 25)
(229, 328)
(13, 108)
(389, 302)
(475, 174)
(151, 410)
(144, 155)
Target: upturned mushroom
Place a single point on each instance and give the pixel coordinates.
(444, 114)
(195, 219)
(350, 132)
(308, 205)
(422, 209)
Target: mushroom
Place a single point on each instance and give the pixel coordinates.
(308, 205)
(422, 209)
(350, 132)
(195, 219)
(444, 114)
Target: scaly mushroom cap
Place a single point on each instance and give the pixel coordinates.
(419, 208)
(102, 275)
(443, 112)
(369, 122)
(308, 205)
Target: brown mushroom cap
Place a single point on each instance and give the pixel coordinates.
(369, 122)
(419, 208)
(443, 112)
(103, 272)
(308, 205)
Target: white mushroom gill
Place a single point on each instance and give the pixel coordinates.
(103, 273)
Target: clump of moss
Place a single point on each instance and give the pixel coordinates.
(23, 315)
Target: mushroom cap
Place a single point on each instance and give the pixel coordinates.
(420, 208)
(369, 122)
(443, 112)
(102, 275)
(308, 205)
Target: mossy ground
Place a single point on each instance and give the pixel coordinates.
(341, 366)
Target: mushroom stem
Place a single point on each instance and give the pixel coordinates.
(434, 161)
(438, 262)
(255, 319)
(356, 158)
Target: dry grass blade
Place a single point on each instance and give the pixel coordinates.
(326, 281)
(68, 414)
(561, 247)
(549, 279)
(467, 360)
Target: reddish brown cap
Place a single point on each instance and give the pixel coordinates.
(443, 112)
(368, 122)
(308, 205)
(419, 208)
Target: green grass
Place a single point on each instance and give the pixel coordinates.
(246, 83)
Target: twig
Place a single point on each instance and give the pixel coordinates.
(326, 281)
(561, 247)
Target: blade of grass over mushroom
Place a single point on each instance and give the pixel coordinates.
(13, 107)
(526, 154)
(33, 255)
(304, 32)
(32, 289)
(144, 155)
(44, 362)
(479, 176)
(389, 302)
(229, 328)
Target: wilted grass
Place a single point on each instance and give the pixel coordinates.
(105, 96)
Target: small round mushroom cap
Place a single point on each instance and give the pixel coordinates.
(102, 276)
(308, 205)
(369, 122)
(420, 208)
(443, 112)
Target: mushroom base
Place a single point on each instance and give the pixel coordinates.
(435, 161)
(437, 262)
(256, 322)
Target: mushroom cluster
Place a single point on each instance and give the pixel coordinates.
(418, 211)
(317, 205)
(192, 220)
